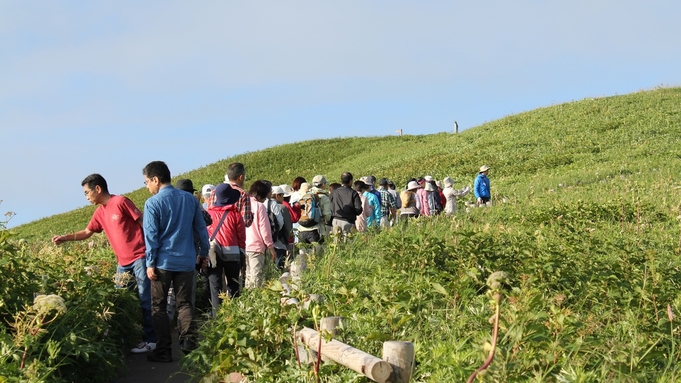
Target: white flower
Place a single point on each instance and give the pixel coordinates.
(45, 304)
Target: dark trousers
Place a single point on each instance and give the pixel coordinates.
(232, 271)
(310, 237)
(183, 286)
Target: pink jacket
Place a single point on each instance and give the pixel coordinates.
(422, 194)
(259, 234)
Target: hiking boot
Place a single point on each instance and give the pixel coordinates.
(153, 357)
(143, 347)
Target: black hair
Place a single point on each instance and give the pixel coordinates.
(234, 170)
(157, 169)
(95, 180)
(360, 186)
(333, 187)
(259, 189)
(346, 178)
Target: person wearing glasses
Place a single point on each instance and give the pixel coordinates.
(121, 221)
(172, 219)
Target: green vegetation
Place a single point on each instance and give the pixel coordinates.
(61, 317)
(584, 223)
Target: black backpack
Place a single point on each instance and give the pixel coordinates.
(278, 233)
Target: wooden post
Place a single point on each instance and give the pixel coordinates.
(331, 324)
(400, 355)
(372, 367)
(298, 266)
(399, 131)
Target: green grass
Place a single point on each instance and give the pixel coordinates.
(585, 223)
(597, 149)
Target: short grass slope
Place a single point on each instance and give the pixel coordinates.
(584, 222)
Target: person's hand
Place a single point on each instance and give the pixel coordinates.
(202, 262)
(151, 273)
(58, 239)
(273, 254)
(479, 201)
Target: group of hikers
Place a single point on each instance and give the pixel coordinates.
(224, 234)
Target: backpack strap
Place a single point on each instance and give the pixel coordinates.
(212, 237)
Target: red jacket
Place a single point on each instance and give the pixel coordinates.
(233, 231)
(293, 210)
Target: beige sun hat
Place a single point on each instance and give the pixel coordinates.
(484, 168)
(413, 185)
(448, 181)
(429, 187)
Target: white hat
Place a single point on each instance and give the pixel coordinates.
(277, 190)
(448, 181)
(207, 189)
(428, 178)
(413, 185)
(287, 190)
(429, 187)
(484, 168)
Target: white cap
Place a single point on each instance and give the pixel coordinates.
(428, 178)
(277, 190)
(319, 180)
(207, 189)
(413, 185)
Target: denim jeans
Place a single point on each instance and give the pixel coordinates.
(184, 289)
(139, 270)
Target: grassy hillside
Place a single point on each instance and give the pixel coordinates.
(584, 223)
(597, 149)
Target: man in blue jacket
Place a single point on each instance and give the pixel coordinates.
(481, 186)
(172, 219)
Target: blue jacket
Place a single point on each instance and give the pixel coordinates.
(375, 218)
(481, 186)
(172, 219)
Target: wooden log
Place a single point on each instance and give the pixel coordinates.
(400, 355)
(372, 367)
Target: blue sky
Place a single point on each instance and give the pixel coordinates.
(107, 87)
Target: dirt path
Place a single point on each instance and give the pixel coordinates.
(141, 370)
